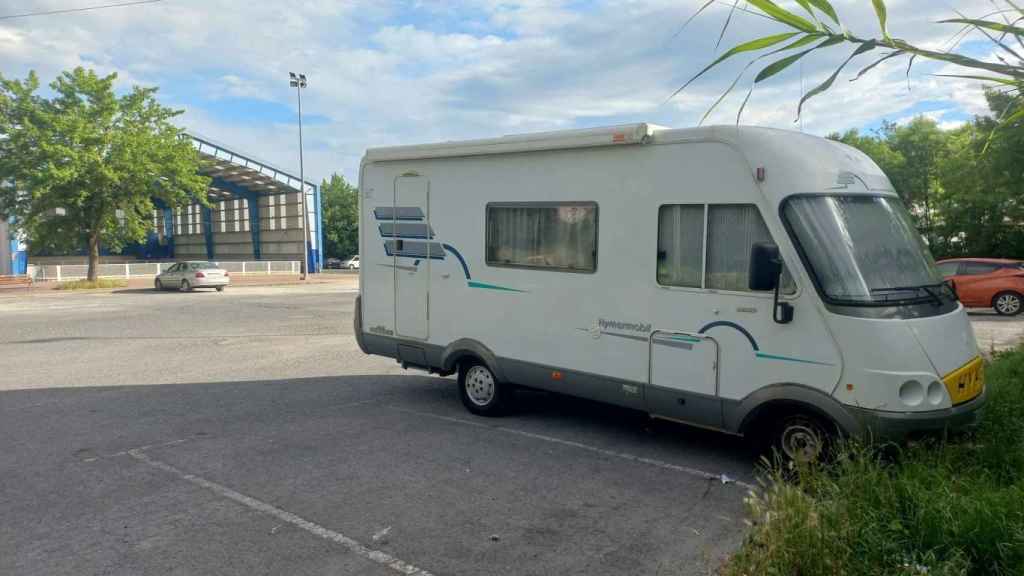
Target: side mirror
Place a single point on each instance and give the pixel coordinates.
(765, 274)
(765, 266)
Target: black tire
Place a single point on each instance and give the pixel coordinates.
(185, 286)
(220, 288)
(801, 437)
(1008, 303)
(480, 391)
(158, 285)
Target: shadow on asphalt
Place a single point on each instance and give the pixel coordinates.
(173, 410)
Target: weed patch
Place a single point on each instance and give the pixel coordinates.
(937, 507)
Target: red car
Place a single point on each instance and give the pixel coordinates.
(987, 283)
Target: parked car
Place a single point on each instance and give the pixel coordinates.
(351, 264)
(185, 276)
(987, 283)
(332, 263)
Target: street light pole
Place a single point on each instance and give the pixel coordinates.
(298, 81)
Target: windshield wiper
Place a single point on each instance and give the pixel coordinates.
(927, 288)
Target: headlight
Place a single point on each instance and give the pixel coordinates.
(912, 393)
(936, 393)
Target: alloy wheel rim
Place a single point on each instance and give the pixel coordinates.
(480, 386)
(1008, 303)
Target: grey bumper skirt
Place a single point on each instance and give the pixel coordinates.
(883, 425)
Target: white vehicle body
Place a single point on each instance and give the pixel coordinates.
(351, 264)
(432, 295)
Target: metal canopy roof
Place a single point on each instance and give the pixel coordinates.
(228, 168)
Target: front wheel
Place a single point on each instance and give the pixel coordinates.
(801, 438)
(480, 391)
(158, 285)
(1008, 303)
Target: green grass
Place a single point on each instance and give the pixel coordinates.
(937, 507)
(92, 285)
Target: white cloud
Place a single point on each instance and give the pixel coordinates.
(384, 73)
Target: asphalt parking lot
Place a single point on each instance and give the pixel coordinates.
(244, 433)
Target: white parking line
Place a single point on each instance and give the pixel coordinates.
(377, 556)
(623, 455)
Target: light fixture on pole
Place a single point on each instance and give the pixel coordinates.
(298, 81)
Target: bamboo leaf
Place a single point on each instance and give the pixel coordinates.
(802, 41)
(757, 44)
(865, 47)
(783, 63)
(726, 25)
(827, 8)
(982, 78)
(867, 68)
(692, 16)
(806, 5)
(997, 26)
(880, 11)
(783, 16)
(995, 40)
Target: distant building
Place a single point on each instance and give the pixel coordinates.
(254, 214)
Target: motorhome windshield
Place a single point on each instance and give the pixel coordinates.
(864, 250)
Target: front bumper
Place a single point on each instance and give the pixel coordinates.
(882, 425)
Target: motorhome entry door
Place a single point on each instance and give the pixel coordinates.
(412, 246)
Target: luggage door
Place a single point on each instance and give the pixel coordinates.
(683, 377)
(410, 244)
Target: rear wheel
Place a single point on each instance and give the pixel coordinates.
(1008, 303)
(185, 286)
(480, 391)
(158, 284)
(220, 288)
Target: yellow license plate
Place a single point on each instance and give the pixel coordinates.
(966, 382)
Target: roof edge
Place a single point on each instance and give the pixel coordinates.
(620, 135)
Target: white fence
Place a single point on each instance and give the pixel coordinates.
(57, 273)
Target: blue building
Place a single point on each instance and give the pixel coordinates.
(255, 213)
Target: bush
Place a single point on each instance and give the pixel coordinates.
(936, 507)
(91, 285)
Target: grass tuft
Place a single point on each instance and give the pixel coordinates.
(92, 285)
(937, 507)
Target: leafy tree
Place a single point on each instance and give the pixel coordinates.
(822, 29)
(965, 189)
(341, 217)
(87, 163)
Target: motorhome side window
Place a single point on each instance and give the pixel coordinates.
(681, 245)
(732, 229)
(546, 235)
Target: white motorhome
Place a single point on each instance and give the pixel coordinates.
(748, 280)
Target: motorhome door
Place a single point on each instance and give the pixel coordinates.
(412, 247)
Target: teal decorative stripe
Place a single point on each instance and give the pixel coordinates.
(475, 284)
(685, 338)
(790, 359)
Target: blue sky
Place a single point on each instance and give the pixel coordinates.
(384, 73)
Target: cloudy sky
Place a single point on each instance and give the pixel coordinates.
(405, 72)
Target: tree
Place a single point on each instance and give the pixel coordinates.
(965, 189)
(341, 217)
(87, 163)
(824, 30)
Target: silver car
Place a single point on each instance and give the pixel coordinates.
(185, 276)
